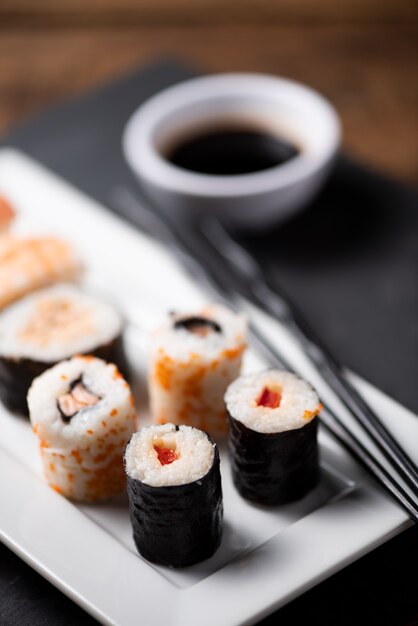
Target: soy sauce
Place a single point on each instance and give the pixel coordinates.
(227, 152)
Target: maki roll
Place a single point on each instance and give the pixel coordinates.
(30, 263)
(49, 326)
(194, 357)
(83, 413)
(175, 495)
(273, 436)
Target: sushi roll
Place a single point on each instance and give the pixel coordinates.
(49, 326)
(30, 263)
(193, 358)
(273, 436)
(83, 413)
(175, 494)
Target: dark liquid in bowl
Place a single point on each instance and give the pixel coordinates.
(231, 152)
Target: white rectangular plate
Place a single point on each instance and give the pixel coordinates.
(267, 557)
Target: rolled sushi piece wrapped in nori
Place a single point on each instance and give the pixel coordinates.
(273, 436)
(47, 327)
(175, 494)
(194, 356)
(83, 413)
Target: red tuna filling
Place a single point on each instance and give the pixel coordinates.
(269, 398)
(165, 455)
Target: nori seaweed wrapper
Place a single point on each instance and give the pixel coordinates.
(274, 468)
(16, 375)
(177, 525)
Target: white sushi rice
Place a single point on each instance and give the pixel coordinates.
(195, 455)
(299, 402)
(179, 343)
(78, 453)
(54, 323)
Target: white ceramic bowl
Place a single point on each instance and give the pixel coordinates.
(253, 200)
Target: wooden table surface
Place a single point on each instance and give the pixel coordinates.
(361, 55)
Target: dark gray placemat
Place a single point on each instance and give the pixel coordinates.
(350, 261)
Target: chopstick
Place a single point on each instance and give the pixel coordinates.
(254, 284)
(219, 282)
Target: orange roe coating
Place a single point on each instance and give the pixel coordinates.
(164, 371)
(7, 213)
(233, 353)
(76, 454)
(106, 481)
(308, 415)
(182, 391)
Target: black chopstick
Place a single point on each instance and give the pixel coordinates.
(161, 228)
(254, 284)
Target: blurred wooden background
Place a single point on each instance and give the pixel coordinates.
(362, 54)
